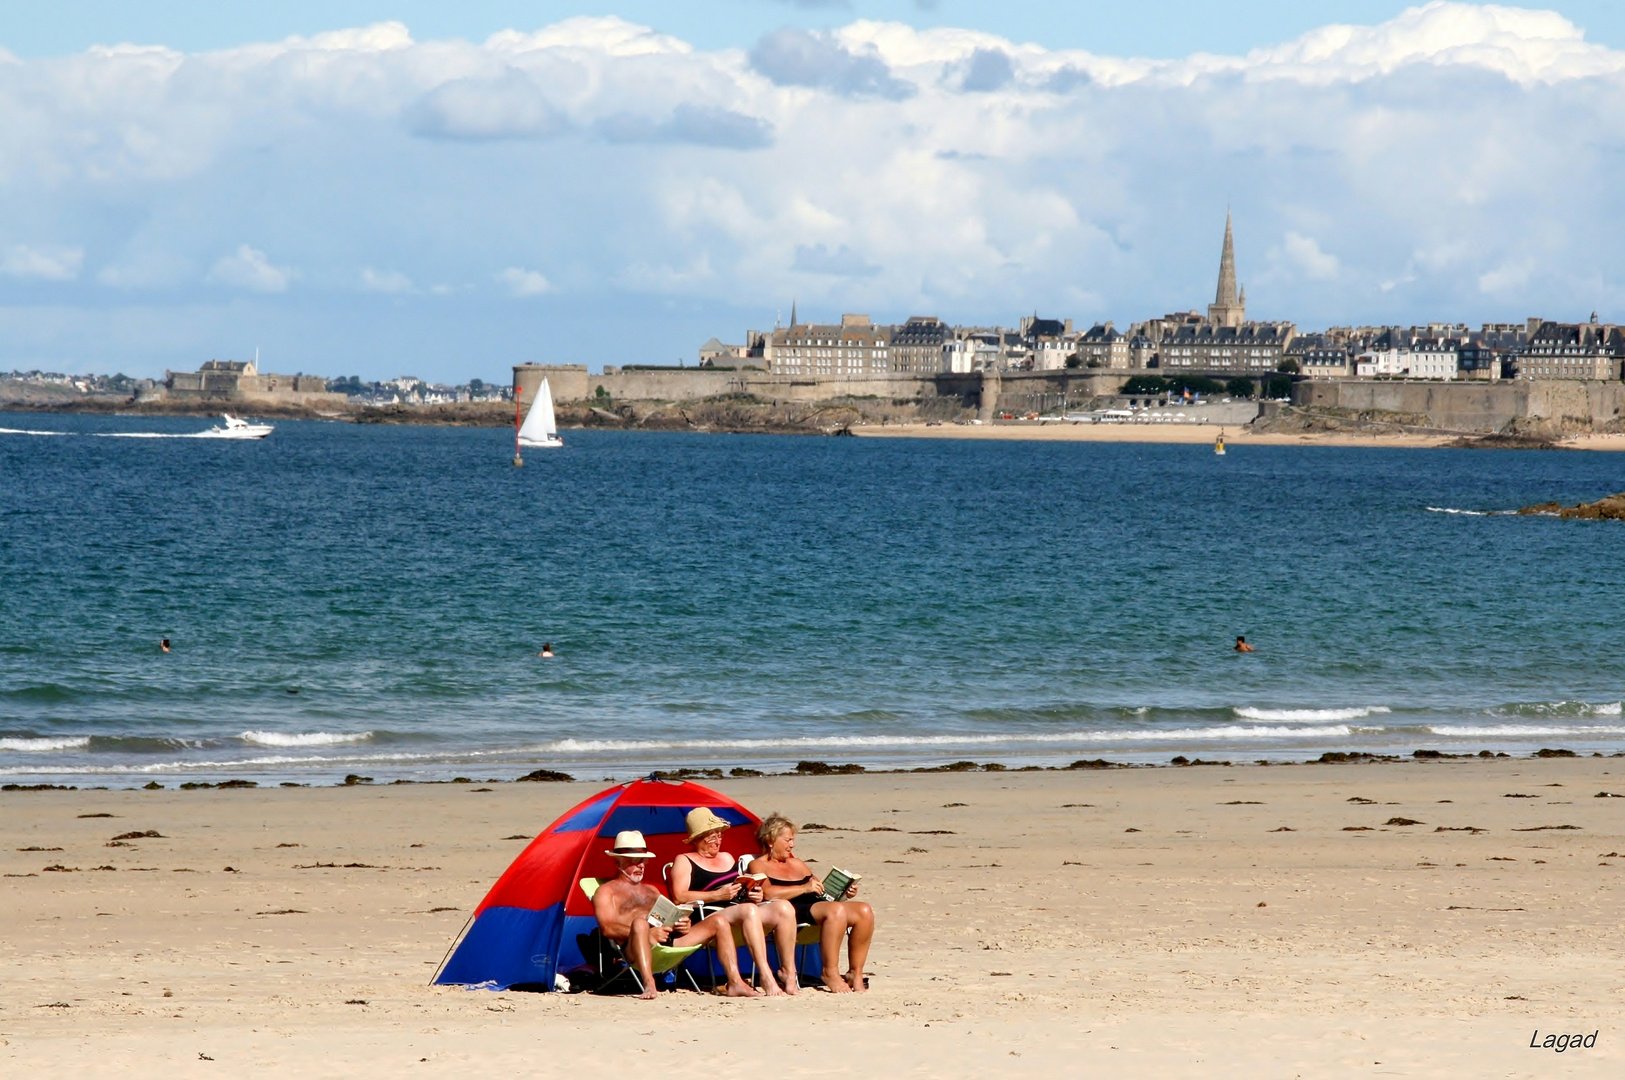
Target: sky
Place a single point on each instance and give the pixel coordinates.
(382, 188)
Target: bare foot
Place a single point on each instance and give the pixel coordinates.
(836, 985)
(649, 993)
(790, 982)
(741, 989)
(854, 980)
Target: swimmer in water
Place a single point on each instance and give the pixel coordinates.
(164, 644)
(1241, 644)
(547, 650)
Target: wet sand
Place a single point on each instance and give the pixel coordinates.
(1247, 921)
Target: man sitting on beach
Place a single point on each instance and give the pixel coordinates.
(622, 905)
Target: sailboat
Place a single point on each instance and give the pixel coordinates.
(540, 429)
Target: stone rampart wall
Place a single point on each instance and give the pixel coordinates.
(1473, 406)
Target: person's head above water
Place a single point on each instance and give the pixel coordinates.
(547, 649)
(1241, 644)
(164, 644)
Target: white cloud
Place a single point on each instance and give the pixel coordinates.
(41, 263)
(509, 106)
(1304, 255)
(248, 268)
(521, 282)
(1509, 277)
(386, 281)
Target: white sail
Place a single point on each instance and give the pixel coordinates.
(539, 428)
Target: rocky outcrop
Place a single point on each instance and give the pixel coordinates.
(1611, 508)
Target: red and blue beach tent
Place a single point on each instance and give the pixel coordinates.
(525, 930)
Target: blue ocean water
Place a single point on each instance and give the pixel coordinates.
(372, 599)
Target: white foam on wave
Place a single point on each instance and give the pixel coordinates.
(1454, 510)
(303, 738)
(229, 764)
(25, 431)
(1247, 712)
(1493, 730)
(45, 745)
(838, 742)
(1607, 708)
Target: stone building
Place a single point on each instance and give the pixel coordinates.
(715, 353)
(1045, 343)
(1487, 353)
(1204, 347)
(1571, 351)
(1102, 346)
(918, 346)
(1405, 354)
(855, 347)
(240, 382)
(1321, 356)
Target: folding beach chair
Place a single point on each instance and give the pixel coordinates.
(807, 934)
(607, 955)
(712, 964)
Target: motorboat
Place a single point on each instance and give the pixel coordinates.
(236, 428)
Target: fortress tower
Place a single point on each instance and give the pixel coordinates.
(1229, 307)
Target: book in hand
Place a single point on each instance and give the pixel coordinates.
(665, 913)
(837, 881)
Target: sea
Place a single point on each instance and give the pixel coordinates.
(371, 601)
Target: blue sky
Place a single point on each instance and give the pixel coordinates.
(381, 188)
(1155, 28)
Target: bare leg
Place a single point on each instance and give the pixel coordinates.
(861, 917)
(749, 921)
(780, 919)
(718, 932)
(831, 919)
(639, 946)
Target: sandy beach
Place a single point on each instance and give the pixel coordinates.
(1184, 434)
(1245, 921)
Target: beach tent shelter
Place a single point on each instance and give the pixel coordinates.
(524, 932)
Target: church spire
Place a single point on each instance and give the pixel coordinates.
(792, 314)
(1229, 307)
(1226, 295)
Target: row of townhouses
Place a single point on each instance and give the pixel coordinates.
(1221, 341)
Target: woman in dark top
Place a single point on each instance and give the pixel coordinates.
(788, 878)
(709, 876)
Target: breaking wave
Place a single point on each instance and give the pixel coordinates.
(1247, 712)
(303, 738)
(45, 745)
(838, 742)
(1507, 730)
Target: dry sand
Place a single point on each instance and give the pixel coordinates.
(1132, 922)
(1140, 433)
(1234, 435)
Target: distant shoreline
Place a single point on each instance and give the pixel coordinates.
(1193, 434)
(485, 414)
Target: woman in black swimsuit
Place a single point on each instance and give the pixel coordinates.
(788, 878)
(709, 876)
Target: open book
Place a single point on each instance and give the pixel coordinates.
(665, 913)
(837, 881)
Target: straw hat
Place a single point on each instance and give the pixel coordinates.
(701, 821)
(629, 845)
